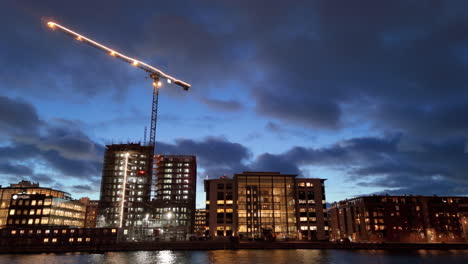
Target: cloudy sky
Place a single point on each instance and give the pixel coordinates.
(371, 95)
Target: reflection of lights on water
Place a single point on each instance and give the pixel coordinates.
(165, 256)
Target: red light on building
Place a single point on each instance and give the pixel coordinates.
(141, 172)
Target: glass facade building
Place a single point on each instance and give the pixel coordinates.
(29, 210)
(23, 187)
(266, 205)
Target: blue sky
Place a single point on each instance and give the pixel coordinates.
(370, 95)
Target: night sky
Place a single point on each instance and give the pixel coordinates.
(371, 95)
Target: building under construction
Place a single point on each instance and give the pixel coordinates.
(125, 185)
(174, 204)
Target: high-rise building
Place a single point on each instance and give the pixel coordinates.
(23, 187)
(125, 185)
(400, 219)
(174, 204)
(220, 206)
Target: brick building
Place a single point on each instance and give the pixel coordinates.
(400, 219)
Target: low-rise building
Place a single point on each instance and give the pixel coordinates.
(23, 187)
(200, 222)
(266, 205)
(91, 211)
(400, 219)
(220, 207)
(311, 210)
(33, 210)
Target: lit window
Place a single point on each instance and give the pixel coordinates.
(12, 212)
(54, 240)
(79, 239)
(13, 232)
(71, 239)
(46, 240)
(88, 239)
(114, 230)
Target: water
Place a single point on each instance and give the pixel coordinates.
(249, 256)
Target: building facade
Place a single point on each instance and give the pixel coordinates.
(174, 204)
(200, 222)
(267, 205)
(220, 207)
(125, 185)
(23, 187)
(400, 219)
(91, 211)
(35, 210)
(311, 210)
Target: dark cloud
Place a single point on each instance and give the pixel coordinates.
(17, 117)
(216, 155)
(60, 145)
(223, 105)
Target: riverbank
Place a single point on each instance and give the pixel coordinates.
(221, 245)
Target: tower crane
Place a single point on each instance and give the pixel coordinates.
(155, 74)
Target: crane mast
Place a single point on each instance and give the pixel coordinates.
(155, 74)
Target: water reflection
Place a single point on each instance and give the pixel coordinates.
(248, 256)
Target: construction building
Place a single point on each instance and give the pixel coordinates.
(23, 187)
(400, 219)
(125, 186)
(173, 208)
(266, 205)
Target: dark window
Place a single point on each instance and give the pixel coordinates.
(228, 218)
(310, 195)
(220, 185)
(220, 195)
(220, 218)
(302, 196)
(229, 196)
(229, 186)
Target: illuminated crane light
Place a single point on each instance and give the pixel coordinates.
(79, 38)
(157, 84)
(112, 53)
(134, 62)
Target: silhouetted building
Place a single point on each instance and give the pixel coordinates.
(91, 211)
(34, 210)
(220, 206)
(400, 219)
(174, 204)
(23, 187)
(125, 186)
